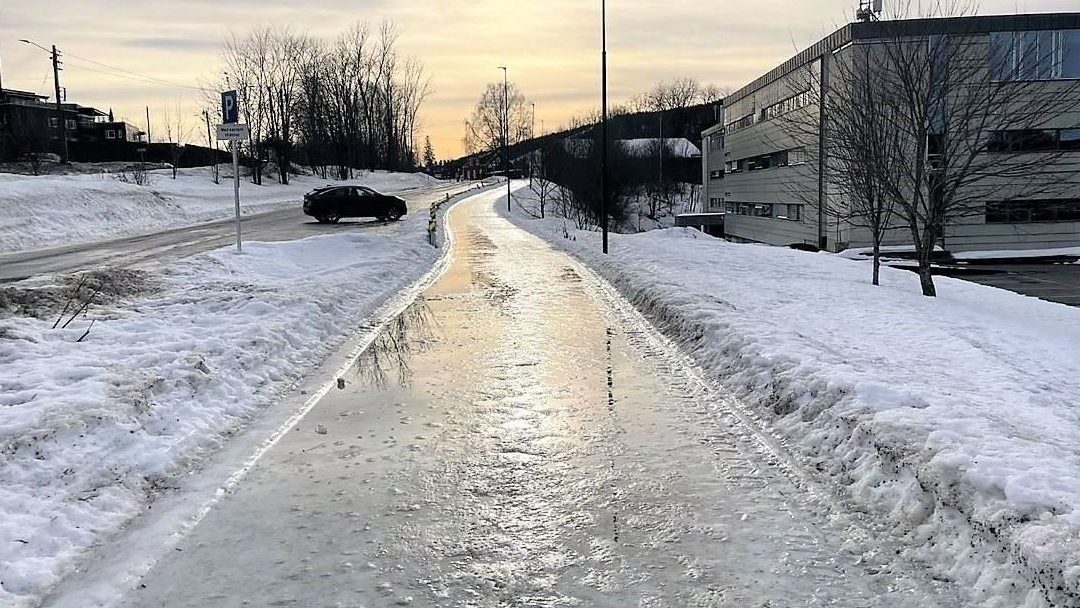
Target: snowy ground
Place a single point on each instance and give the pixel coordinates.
(953, 421)
(174, 364)
(49, 210)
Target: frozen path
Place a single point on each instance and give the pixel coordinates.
(522, 438)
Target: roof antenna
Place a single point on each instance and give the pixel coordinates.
(869, 10)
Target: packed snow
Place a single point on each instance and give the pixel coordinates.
(952, 420)
(50, 210)
(171, 367)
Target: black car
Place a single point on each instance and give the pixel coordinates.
(330, 204)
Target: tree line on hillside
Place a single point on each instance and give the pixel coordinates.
(675, 108)
(333, 105)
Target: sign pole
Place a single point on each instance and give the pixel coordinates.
(233, 131)
(236, 191)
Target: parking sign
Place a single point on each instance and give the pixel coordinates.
(230, 108)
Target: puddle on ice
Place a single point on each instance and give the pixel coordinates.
(389, 356)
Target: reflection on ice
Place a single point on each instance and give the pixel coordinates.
(412, 331)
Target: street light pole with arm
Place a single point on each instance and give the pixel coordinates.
(506, 134)
(604, 128)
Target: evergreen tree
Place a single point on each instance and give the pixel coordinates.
(429, 153)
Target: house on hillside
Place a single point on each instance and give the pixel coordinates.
(29, 124)
(479, 166)
(777, 184)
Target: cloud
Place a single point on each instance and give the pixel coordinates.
(551, 46)
(173, 44)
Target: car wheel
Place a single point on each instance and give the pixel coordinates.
(396, 213)
(332, 218)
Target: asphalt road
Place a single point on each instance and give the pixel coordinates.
(1053, 282)
(492, 449)
(152, 249)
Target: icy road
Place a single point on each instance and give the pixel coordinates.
(146, 250)
(521, 437)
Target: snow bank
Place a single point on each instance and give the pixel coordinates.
(954, 420)
(90, 431)
(50, 210)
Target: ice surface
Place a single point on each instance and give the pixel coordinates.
(955, 418)
(91, 431)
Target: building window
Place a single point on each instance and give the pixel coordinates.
(1037, 55)
(1033, 211)
(784, 106)
(716, 174)
(110, 134)
(1034, 140)
(740, 123)
(54, 123)
(70, 124)
(789, 212)
(783, 158)
(780, 211)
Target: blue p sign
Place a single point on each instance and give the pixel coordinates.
(230, 109)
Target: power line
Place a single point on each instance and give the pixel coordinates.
(129, 74)
(126, 77)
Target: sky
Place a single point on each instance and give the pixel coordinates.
(550, 46)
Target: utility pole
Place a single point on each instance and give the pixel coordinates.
(60, 107)
(506, 134)
(55, 56)
(604, 127)
(148, 125)
(663, 148)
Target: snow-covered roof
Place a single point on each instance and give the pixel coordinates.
(677, 147)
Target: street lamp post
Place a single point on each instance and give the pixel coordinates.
(506, 134)
(604, 128)
(55, 56)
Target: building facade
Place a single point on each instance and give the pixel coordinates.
(30, 124)
(777, 185)
(712, 169)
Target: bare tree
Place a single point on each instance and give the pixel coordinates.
(352, 103)
(678, 93)
(861, 144)
(29, 140)
(177, 131)
(924, 128)
(541, 181)
(956, 110)
(498, 112)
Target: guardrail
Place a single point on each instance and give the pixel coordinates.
(433, 221)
